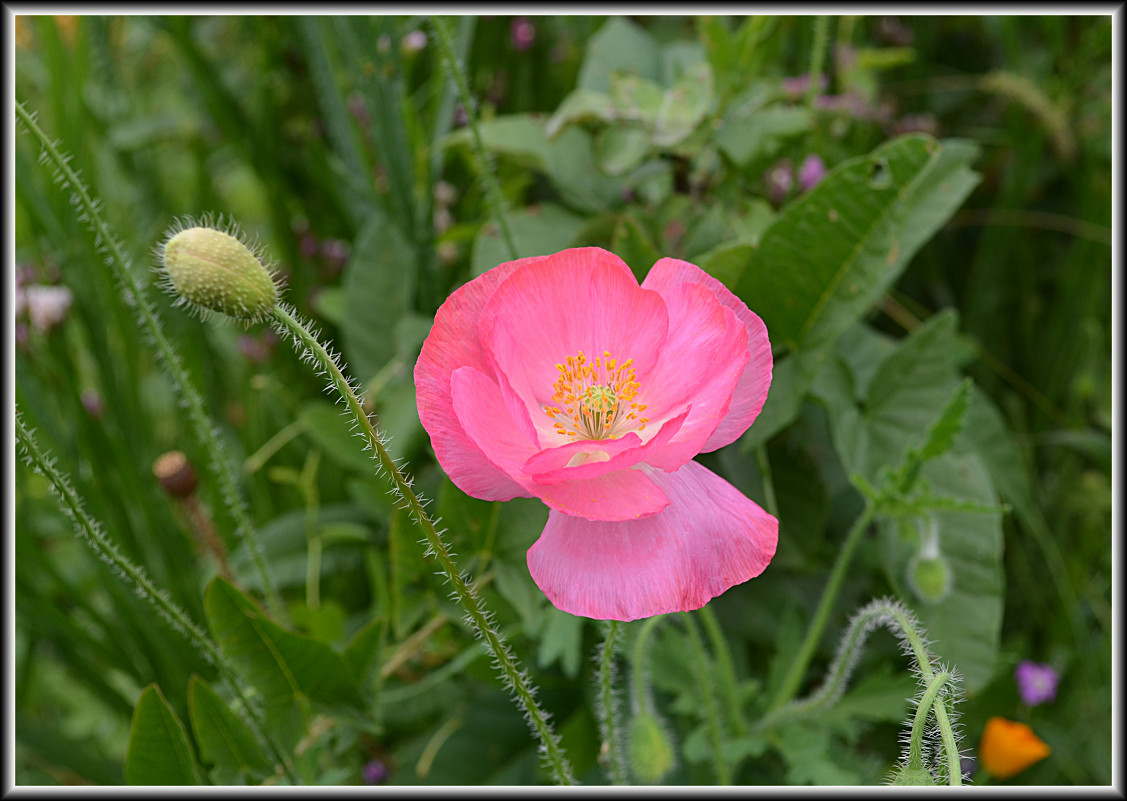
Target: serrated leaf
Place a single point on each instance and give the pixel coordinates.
(941, 435)
(833, 252)
(225, 740)
(159, 752)
(288, 668)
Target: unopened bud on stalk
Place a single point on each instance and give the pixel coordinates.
(651, 752)
(929, 574)
(212, 269)
(175, 474)
(912, 777)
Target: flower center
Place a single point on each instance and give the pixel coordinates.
(596, 401)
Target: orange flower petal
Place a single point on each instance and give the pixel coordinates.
(1007, 748)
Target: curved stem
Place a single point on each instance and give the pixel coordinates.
(462, 591)
(727, 669)
(801, 661)
(712, 716)
(90, 532)
(642, 701)
(915, 748)
(608, 705)
(147, 319)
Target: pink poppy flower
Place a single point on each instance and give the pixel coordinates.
(559, 377)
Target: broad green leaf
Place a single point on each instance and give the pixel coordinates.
(833, 252)
(582, 105)
(636, 99)
(519, 136)
(379, 289)
(726, 261)
(159, 752)
(621, 148)
(225, 740)
(791, 378)
(619, 46)
(288, 669)
(684, 106)
(760, 133)
(537, 231)
(363, 650)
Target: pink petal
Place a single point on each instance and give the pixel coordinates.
(483, 416)
(453, 343)
(707, 540)
(582, 299)
(751, 391)
(621, 495)
(701, 362)
(554, 465)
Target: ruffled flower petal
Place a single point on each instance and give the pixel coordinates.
(480, 409)
(709, 538)
(751, 391)
(701, 362)
(453, 343)
(583, 299)
(621, 495)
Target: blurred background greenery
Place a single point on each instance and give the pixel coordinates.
(340, 144)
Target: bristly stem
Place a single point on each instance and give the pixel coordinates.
(134, 297)
(927, 700)
(485, 173)
(608, 706)
(711, 714)
(90, 532)
(463, 592)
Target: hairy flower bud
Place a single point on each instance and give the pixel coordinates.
(214, 270)
(651, 753)
(912, 777)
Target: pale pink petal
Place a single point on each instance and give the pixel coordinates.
(453, 343)
(621, 495)
(707, 540)
(554, 465)
(751, 391)
(582, 299)
(483, 416)
(704, 355)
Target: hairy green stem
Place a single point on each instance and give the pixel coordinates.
(727, 669)
(711, 714)
(608, 706)
(462, 590)
(915, 748)
(793, 677)
(90, 532)
(147, 319)
(489, 181)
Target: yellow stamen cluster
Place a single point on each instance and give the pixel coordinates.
(596, 401)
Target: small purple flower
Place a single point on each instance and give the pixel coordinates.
(93, 404)
(413, 42)
(375, 772)
(780, 180)
(813, 169)
(522, 32)
(1037, 683)
(795, 87)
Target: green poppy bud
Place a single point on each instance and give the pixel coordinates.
(651, 752)
(912, 777)
(214, 270)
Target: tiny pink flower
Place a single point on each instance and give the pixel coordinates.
(1037, 683)
(811, 172)
(559, 377)
(523, 33)
(47, 305)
